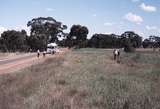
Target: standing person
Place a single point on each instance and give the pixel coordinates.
(118, 56)
(38, 53)
(44, 53)
(114, 54)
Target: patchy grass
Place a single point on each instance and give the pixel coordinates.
(85, 79)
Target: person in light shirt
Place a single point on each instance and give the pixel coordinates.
(116, 55)
(38, 53)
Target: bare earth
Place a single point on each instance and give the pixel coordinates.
(10, 64)
(18, 62)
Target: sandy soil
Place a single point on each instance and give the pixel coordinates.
(12, 63)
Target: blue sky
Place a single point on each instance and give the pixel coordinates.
(100, 16)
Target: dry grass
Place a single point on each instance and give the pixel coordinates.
(85, 79)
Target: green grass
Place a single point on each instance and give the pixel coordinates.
(85, 79)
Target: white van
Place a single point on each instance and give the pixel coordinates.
(52, 48)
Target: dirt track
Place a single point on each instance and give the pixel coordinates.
(15, 63)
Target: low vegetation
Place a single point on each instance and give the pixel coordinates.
(85, 79)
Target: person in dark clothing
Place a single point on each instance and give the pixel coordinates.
(114, 55)
(44, 54)
(118, 56)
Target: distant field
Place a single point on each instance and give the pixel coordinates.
(85, 79)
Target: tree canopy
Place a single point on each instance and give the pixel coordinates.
(134, 39)
(104, 41)
(151, 42)
(12, 41)
(128, 40)
(43, 31)
(77, 36)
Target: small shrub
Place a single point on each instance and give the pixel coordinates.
(129, 48)
(61, 82)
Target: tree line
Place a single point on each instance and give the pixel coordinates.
(46, 30)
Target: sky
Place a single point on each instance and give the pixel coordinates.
(100, 16)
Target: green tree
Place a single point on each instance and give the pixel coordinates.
(151, 42)
(104, 41)
(133, 38)
(14, 41)
(77, 36)
(43, 31)
(130, 40)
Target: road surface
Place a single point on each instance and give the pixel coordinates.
(15, 63)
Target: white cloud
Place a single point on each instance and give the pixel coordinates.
(94, 15)
(49, 9)
(2, 29)
(140, 33)
(148, 8)
(108, 24)
(151, 27)
(17, 28)
(134, 18)
(108, 33)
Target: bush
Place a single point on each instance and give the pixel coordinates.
(129, 48)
